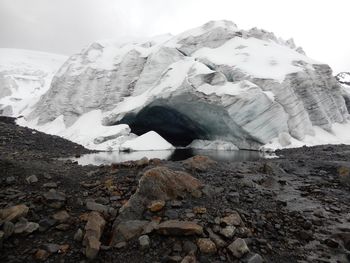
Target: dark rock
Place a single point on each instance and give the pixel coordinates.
(78, 236)
(8, 229)
(189, 247)
(198, 163)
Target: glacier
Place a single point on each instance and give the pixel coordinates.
(24, 77)
(216, 85)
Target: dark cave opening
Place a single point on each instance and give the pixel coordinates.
(173, 126)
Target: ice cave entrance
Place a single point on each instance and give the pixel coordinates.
(175, 127)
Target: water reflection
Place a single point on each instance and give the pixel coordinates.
(172, 155)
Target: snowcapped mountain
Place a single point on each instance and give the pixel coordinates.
(238, 88)
(24, 76)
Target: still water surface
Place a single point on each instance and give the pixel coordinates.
(171, 155)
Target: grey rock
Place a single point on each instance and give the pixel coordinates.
(32, 179)
(52, 248)
(97, 207)
(255, 258)
(189, 247)
(129, 229)
(8, 229)
(61, 216)
(50, 185)
(23, 226)
(238, 248)
(217, 240)
(144, 242)
(228, 231)
(53, 195)
(10, 180)
(78, 236)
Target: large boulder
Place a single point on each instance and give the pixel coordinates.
(157, 184)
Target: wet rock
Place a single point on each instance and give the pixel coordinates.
(206, 246)
(78, 236)
(144, 242)
(8, 229)
(228, 231)
(233, 219)
(32, 179)
(13, 213)
(179, 228)
(129, 229)
(53, 195)
(97, 207)
(156, 205)
(238, 248)
(198, 163)
(61, 216)
(93, 232)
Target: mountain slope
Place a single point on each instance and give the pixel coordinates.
(216, 82)
(24, 76)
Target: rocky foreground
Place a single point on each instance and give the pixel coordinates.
(292, 209)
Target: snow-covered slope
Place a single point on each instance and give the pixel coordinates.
(24, 76)
(216, 82)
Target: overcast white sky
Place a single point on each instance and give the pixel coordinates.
(321, 27)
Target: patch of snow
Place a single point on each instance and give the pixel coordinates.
(117, 157)
(84, 131)
(340, 135)
(147, 142)
(258, 58)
